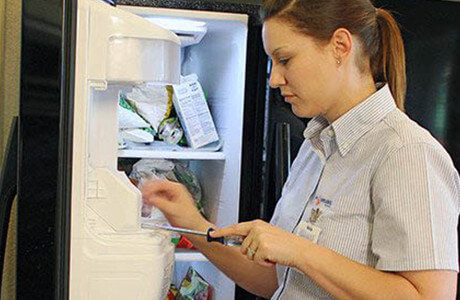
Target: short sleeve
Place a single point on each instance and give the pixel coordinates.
(415, 193)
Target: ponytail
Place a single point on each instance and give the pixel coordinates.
(390, 61)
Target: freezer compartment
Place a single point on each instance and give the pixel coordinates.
(214, 48)
(219, 60)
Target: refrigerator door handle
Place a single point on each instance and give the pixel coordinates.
(282, 155)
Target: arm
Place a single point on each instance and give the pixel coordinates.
(351, 280)
(338, 275)
(177, 205)
(257, 279)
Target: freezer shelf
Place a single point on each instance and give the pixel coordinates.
(189, 255)
(189, 155)
(163, 150)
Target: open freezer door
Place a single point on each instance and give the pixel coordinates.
(111, 256)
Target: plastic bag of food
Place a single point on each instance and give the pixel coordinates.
(187, 178)
(149, 168)
(194, 287)
(146, 169)
(131, 126)
(152, 102)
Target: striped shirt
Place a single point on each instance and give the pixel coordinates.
(382, 190)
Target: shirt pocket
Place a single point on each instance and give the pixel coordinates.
(348, 208)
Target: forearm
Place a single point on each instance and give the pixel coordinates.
(346, 279)
(254, 278)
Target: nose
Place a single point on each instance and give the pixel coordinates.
(276, 77)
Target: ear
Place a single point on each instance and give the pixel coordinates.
(342, 44)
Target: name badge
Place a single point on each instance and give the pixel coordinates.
(308, 230)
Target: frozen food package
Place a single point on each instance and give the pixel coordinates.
(172, 293)
(152, 102)
(194, 287)
(184, 243)
(127, 116)
(149, 168)
(193, 111)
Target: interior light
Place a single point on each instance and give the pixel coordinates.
(174, 24)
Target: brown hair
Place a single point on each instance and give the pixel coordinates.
(376, 29)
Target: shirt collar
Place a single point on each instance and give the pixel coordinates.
(350, 127)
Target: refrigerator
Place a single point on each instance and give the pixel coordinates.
(79, 234)
(79, 216)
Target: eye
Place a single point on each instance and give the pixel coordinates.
(283, 61)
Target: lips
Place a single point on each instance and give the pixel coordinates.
(287, 97)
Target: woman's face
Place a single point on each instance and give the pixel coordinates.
(305, 71)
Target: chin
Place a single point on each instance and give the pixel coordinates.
(303, 113)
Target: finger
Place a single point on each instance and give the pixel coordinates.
(154, 186)
(261, 258)
(163, 204)
(242, 229)
(164, 188)
(250, 253)
(160, 185)
(226, 231)
(248, 242)
(264, 263)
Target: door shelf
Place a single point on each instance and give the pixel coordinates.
(189, 255)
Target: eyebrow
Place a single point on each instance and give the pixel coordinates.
(277, 50)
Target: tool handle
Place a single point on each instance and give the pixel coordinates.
(232, 241)
(209, 238)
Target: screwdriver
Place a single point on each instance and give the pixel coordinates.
(232, 240)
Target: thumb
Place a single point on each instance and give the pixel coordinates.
(266, 263)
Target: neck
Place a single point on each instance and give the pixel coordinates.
(351, 93)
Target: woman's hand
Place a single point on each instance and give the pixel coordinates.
(175, 202)
(266, 244)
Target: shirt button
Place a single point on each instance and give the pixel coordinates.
(330, 132)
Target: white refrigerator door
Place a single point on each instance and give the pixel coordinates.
(111, 256)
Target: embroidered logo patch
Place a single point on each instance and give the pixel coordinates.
(320, 205)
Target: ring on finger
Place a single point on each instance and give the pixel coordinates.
(250, 253)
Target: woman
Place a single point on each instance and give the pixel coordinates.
(371, 206)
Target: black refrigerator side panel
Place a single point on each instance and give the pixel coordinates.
(253, 131)
(44, 137)
(256, 78)
(277, 113)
